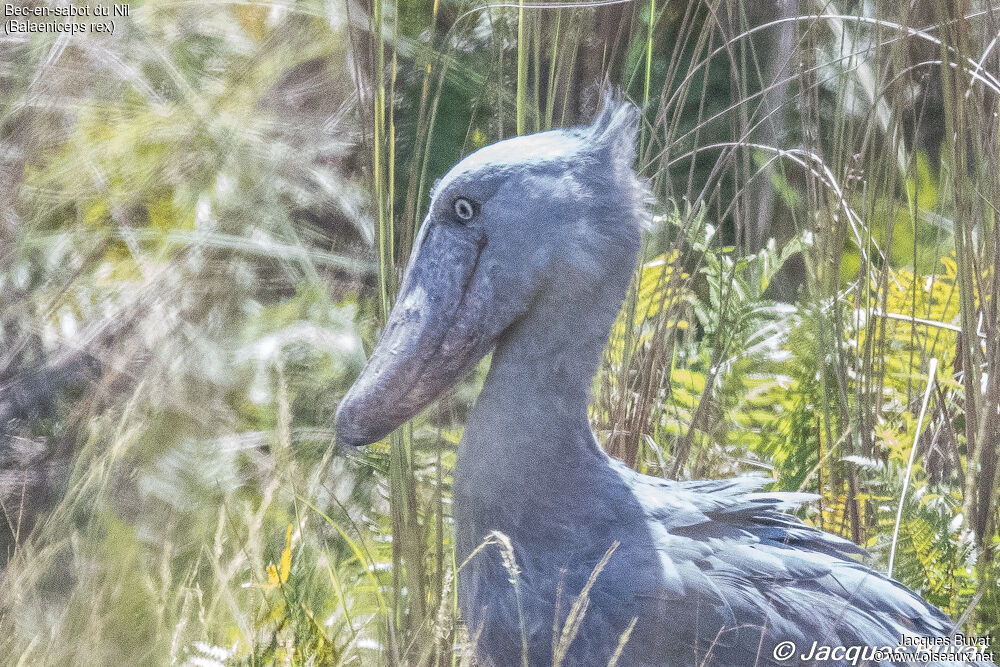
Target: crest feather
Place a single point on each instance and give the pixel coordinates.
(616, 127)
(614, 132)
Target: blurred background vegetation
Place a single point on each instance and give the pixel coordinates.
(204, 217)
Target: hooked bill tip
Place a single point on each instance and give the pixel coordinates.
(348, 430)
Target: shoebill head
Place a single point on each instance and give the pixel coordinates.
(556, 211)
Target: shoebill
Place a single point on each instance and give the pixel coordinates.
(527, 251)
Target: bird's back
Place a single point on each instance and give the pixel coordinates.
(745, 583)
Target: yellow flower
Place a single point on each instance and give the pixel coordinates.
(274, 575)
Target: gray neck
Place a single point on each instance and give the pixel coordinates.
(527, 440)
(542, 372)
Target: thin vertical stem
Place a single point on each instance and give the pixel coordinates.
(931, 375)
(550, 99)
(522, 70)
(649, 52)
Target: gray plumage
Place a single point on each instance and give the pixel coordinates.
(528, 249)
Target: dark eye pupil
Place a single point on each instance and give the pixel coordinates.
(463, 209)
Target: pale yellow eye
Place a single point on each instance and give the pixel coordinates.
(464, 209)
